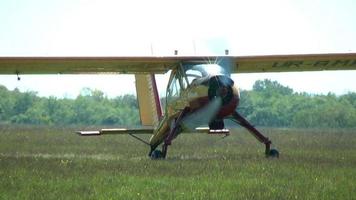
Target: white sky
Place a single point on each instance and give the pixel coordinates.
(158, 27)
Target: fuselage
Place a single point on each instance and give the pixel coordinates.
(195, 88)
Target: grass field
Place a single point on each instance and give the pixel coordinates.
(54, 163)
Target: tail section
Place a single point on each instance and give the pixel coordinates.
(148, 99)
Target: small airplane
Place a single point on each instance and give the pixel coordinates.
(199, 92)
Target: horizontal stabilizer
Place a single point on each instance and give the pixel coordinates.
(219, 131)
(126, 131)
(211, 131)
(117, 131)
(88, 133)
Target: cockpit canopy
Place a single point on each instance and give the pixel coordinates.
(194, 72)
(191, 74)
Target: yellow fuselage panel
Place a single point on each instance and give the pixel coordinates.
(189, 98)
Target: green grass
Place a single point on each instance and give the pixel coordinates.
(54, 163)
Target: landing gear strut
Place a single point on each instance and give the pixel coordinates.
(258, 135)
(173, 133)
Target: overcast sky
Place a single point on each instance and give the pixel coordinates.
(158, 27)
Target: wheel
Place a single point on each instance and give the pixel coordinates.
(273, 153)
(157, 154)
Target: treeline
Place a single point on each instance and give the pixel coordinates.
(274, 105)
(267, 104)
(92, 107)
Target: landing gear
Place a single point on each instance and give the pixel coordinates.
(175, 129)
(270, 153)
(217, 124)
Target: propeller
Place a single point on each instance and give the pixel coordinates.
(202, 116)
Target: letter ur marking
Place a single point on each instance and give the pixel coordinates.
(317, 63)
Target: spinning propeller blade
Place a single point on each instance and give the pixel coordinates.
(202, 116)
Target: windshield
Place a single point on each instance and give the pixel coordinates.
(205, 70)
(194, 72)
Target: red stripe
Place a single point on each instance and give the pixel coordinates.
(156, 96)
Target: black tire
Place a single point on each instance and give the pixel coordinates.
(217, 124)
(273, 153)
(156, 155)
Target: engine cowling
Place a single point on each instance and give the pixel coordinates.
(223, 87)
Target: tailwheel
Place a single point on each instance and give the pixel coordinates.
(156, 155)
(217, 124)
(273, 153)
